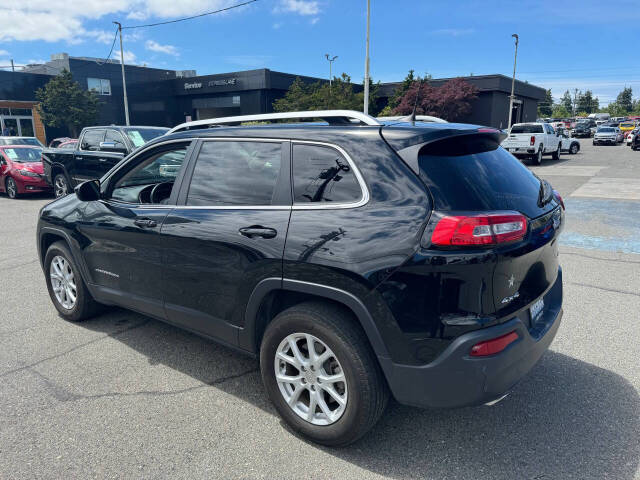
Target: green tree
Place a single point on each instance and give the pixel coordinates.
(624, 99)
(616, 110)
(545, 107)
(587, 103)
(298, 97)
(560, 111)
(63, 103)
(566, 101)
(398, 93)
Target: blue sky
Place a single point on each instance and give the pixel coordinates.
(571, 44)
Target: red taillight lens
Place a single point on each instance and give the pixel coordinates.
(493, 346)
(559, 199)
(532, 142)
(487, 229)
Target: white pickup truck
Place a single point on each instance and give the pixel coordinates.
(532, 140)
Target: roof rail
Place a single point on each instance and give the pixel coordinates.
(419, 118)
(332, 117)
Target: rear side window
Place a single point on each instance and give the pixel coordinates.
(235, 173)
(322, 175)
(527, 128)
(91, 139)
(473, 173)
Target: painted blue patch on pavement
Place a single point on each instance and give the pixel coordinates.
(615, 225)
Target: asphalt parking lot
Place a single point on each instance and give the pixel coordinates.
(127, 396)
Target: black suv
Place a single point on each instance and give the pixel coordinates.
(354, 259)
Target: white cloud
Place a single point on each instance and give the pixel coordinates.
(301, 7)
(4, 53)
(453, 32)
(129, 57)
(277, 25)
(31, 20)
(315, 20)
(156, 47)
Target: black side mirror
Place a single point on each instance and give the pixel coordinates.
(88, 191)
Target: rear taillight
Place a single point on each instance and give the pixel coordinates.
(532, 142)
(493, 346)
(559, 199)
(483, 229)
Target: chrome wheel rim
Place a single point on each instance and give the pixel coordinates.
(60, 186)
(311, 379)
(12, 189)
(574, 149)
(63, 282)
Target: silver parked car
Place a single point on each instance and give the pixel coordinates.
(610, 135)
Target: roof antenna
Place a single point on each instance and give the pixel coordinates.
(412, 117)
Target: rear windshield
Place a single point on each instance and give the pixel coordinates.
(23, 154)
(627, 125)
(527, 128)
(473, 173)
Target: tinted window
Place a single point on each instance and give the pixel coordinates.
(527, 128)
(474, 174)
(235, 173)
(115, 137)
(140, 136)
(91, 139)
(322, 174)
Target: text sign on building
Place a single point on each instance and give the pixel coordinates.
(211, 83)
(190, 86)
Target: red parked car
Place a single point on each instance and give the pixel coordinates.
(21, 170)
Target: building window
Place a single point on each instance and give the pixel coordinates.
(235, 100)
(102, 86)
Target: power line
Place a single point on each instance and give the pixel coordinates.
(192, 17)
(110, 51)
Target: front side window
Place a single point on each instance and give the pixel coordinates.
(235, 173)
(102, 86)
(160, 168)
(322, 175)
(91, 140)
(115, 137)
(140, 136)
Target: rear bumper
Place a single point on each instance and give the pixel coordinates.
(455, 379)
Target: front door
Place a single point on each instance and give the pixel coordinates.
(86, 157)
(124, 251)
(226, 234)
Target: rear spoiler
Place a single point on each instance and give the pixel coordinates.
(453, 142)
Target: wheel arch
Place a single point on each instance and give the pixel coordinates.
(273, 295)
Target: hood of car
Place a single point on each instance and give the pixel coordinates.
(35, 167)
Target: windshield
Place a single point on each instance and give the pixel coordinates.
(21, 141)
(527, 128)
(606, 130)
(23, 155)
(140, 136)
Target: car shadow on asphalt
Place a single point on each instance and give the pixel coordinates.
(566, 419)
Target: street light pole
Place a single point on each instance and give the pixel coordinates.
(366, 64)
(331, 59)
(124, 81)
(513, 81)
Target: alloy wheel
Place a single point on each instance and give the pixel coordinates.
(60, 186)
(311, 379)
(12, 188)
(63, 282)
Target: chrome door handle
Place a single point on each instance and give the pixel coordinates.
(145, 222)
(258, 231)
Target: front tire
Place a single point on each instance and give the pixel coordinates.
(574, 148)
(334, 400)
(60, 185)
(11, 188)
(66, 287)
(556, 155)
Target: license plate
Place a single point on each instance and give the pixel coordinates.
(512, 149)
(536, 310)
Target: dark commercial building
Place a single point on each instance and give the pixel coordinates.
(169, 97)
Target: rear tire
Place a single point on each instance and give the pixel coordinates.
(537, 159)
(66, 287)
(364, 391)
(11, 188)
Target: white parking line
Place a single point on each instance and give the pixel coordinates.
(617, 188)
(569, 171)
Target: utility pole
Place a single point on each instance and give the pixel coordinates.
(124, 81)
(13, 68)
(366, 64)
(513, 81)
(330, 62)
(575, 102)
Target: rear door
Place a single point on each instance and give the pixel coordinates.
(226, 234)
